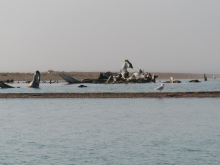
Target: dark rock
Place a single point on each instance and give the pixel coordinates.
(106, 75)
(9, 81)
(87, 80)
(3, 85)
(194, 80)
(82, 86)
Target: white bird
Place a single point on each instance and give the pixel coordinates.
(160, 88)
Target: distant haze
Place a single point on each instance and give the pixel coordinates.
(98, 35)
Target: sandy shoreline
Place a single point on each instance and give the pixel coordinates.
(113, 95)
(45, 76)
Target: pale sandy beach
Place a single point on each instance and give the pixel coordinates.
(45, 76)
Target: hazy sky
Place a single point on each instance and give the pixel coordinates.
(98, 35)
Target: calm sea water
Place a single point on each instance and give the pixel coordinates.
(185, 86)
(110, 131)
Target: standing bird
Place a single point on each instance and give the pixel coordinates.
(160, 88)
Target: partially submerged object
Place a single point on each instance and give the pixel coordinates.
(172, 81)
(112, 78)
(216, 77)
(194, 81)
(3, 85)
(82, 86)
(136, 77)
(35, 83)
(106, 75)
(205, 78)
(123, 72)
(68, 79)
(9, 81)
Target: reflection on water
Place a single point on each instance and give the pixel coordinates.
(185, 86)
(110, 131)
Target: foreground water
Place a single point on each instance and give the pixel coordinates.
(185, 86)
(110, 131)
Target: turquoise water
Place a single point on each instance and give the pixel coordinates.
(185, 86)
(110, 131)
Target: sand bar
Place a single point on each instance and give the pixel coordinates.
(113, 95)
(45, 76)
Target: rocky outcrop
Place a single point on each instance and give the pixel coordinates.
(205, 78)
